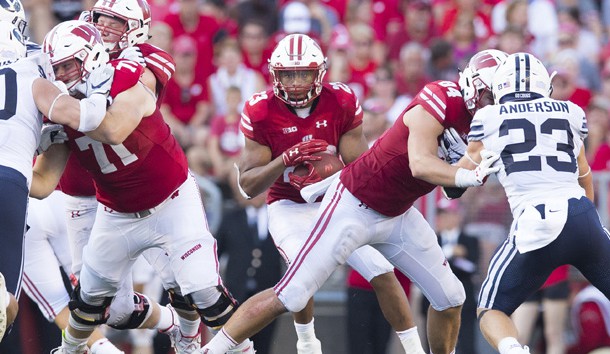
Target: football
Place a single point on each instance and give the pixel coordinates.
(326, 167)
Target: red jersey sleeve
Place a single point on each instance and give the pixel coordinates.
(127, 73)
(159, 62)
(350, 103)
(254, 110)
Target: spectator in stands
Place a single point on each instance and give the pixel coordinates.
(551, 301)
(418, 26)
(253, 40)
(361, 63)
(189, 20)
(513, 40)
(262, 11)
(219, 10)
(590, 317)
(442, 65)
(525, 15)
(384, 92)
(231, 72)
(411, 73)
(185, 106)
(598, 140)
(374, 120)
(480, 20)
(463, 38)
(575, 34)
(226, 140)
(565, 84)
(161, 35)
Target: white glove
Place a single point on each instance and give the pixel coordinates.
(452, 145)
(476, 177)
(98, 82)
(49, 135)
(133, 54)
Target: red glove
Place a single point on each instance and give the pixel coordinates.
(302, 152)
(310, 178)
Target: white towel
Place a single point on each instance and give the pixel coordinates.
(534, 232)
(313, 191)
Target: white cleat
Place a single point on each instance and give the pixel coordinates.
(3, 306)
(62, 350)
(246, 347)
(310, 347)
(182, 344)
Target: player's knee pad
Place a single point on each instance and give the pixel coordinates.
(218, 314)
(179, 302)
(86, 314)
(141, 312)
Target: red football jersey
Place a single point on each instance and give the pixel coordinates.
(76, 181)
(145, 169)
(270, 122)
(381, 177)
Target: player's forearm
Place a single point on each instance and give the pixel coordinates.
(258, 179)
(433, 170)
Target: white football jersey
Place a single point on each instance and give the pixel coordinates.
(538, 142)
(20, 120)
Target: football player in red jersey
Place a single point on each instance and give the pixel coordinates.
(372, 203)
(283, 127)
(147, 199)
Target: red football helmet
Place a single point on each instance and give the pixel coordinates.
(297, 66)
(476, 78)
(135, 14)
(79, 41)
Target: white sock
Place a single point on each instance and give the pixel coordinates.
(166, 319)
(305, 332)
(410, 341)
(508, 344)
(104, 346)
(189, 328)
(243, 345)
(220, 344)
(71, 342)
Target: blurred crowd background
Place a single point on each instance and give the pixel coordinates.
(386, 51)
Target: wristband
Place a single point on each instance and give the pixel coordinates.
(53, 104)
(92, 112)
(465, 178)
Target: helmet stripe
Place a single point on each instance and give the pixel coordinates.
(527, 73)
(517, 73)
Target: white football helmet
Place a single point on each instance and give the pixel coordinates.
(522, 77)
(477, 76)
(79, 41)
(12, 45)
(135, 13)
(12, 11)
(297, 54)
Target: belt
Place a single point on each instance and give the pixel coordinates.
(146, 212)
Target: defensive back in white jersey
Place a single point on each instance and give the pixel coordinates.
(539, 142)
(20, 120)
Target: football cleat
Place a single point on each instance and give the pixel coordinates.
(182, 344)
(62, 350)
(246, 347)
(310, 347)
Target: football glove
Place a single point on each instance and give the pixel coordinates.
(452, 145)
(133, 54)
(478, 176)
(302, 152)
(310, 178)
(51, 134)
(98, 82)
